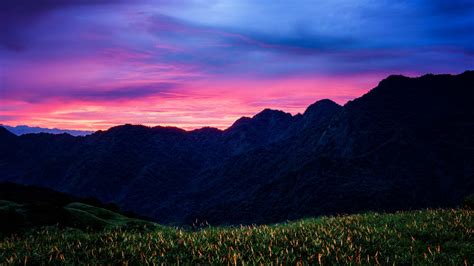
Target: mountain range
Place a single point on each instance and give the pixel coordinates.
(23, 129)
(406, 144)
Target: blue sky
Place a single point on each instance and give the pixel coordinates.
(195, 63)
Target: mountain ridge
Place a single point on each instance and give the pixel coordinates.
(394, 148)
(24, 129)
(389, 79)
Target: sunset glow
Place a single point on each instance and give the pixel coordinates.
(95, 64)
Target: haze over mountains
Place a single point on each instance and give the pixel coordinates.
(23, 129)
(408, 143)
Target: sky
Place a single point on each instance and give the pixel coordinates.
(94, 64)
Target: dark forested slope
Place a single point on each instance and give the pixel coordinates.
(408, 143)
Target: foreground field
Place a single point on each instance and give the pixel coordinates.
(443, 237)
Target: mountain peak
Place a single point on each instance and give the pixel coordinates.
(267, 115)
(131, 129)
(320, 105)
(272, 114)
(394, 78)
(241, 121)
(430, 87)
(126, 127)
(263, 128)
(206, 131)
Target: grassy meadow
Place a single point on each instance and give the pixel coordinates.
(444, 237)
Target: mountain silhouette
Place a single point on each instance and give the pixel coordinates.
(408, 143)
(22, 129)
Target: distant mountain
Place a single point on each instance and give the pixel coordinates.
(21, 130)
(408, 143)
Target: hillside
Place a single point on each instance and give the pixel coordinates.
(407, 144)
(23, 208)
(441, 237)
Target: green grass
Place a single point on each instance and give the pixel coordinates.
(443, 237)
(15, 217)
(89, 216)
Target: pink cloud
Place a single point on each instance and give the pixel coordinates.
(194, 105)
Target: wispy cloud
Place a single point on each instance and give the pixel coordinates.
(97, 63)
